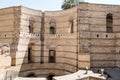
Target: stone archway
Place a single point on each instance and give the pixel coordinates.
(50, 76)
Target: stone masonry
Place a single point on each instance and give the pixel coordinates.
(61, 42)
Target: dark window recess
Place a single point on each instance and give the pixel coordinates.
(31, 25)
(97, 35)
(109, 23)
(52, 30)
(72, 27)
(30, 28)
(29, 55)
(106, 35)
(52, 56)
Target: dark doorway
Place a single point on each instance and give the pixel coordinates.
(32, 74)
(52, 56)
(30, 54)
(50, 77)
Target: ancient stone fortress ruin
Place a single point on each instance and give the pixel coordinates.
(55, 43)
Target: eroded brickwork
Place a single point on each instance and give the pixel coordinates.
(77, 38)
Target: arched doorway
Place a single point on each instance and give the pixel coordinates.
(50, 76)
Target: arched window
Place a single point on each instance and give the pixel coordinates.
(30, 28)
(109, 23)
(30, 54)
(52, 24)
(52, 30)
(31, 24)
(52, 56)
(71, 26)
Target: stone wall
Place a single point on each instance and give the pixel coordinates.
(9, 28)
(80, 38)
(102, 47)
(63, 42)
(29, 39)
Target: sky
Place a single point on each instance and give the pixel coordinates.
(48, 5)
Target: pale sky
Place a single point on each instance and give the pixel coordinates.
(47, 5)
